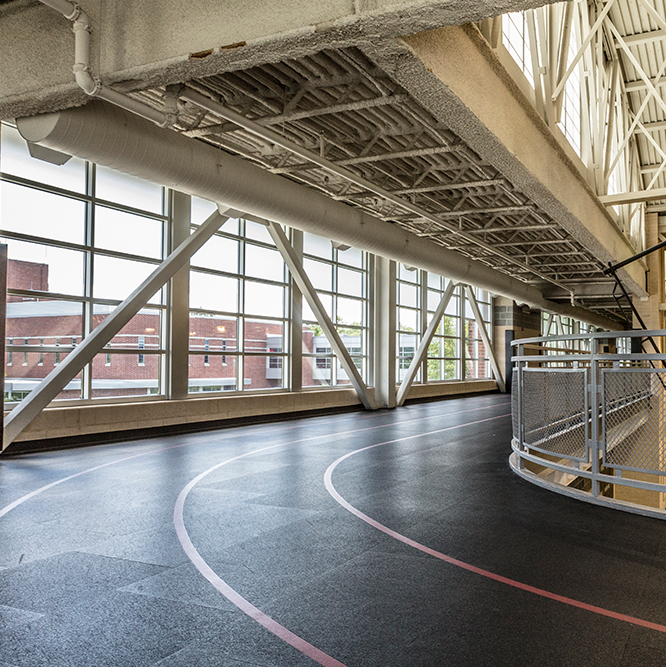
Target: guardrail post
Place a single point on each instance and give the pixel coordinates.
(519, 387)
(595, 414)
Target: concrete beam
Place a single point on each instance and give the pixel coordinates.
(136, 45)
(455, 74)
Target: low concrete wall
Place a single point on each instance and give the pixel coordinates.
(79, 420)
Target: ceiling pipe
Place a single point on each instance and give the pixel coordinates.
(91, 85)
(112, 137)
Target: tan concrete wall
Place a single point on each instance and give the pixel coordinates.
(59, 422)
(455, 74)
(153, 42)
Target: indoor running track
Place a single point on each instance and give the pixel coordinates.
(365, 540)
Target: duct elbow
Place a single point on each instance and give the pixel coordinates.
(85, 80)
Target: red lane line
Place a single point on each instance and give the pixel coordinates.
(466, 566)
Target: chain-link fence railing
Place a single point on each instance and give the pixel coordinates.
(554, 409)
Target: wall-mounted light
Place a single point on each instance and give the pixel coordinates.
(221, 329)
(149, 329)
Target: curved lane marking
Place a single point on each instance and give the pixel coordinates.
(232, 595)
(46, 487)
(201, 565)
(466, 566)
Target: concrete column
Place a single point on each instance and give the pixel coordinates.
(524, 322)
(296, 320)
(649, 307)
(385, 332)
(179, 301)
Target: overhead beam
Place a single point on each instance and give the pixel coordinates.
(634, 197)
(136, 45)
(455, 74)
(21, 416)
(305, 286)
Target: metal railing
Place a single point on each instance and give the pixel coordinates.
(589, 418)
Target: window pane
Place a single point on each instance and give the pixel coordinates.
(317, 245)
(349, 311)
(218, 253)
(263, 299)
(202, 210)
(434, 299)
(263, 336)
(142, 331)
(410, 275)
(218, 375)
(118, 278)
(129, 190)
(452, 306)
(33, 266)
(408, 295)
(343, 378)
(317, 371)
(350, 282)
(449, 326)
(115, 375)
(434, 281)
(263, 263)
(257, 232)
(408, 319)
(326, 302)
(28, 211)
(25, 371)
(320, 274)
(42, 321)
(213, 333)
(258, 373)
(16, 160)
(128, 233)
(213, 292)
(351, 257)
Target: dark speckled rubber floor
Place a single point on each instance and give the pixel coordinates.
(92, 572)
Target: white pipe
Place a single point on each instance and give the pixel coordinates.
(114, 138)
(84, 78)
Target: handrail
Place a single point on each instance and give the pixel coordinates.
(599, 420)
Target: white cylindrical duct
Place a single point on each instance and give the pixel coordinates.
(112, 137)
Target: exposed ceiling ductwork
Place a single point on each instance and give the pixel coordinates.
(118, 139)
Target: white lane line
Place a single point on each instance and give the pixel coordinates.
(19, 501)
(231, 594)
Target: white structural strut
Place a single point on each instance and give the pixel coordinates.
(21, 416)
(115, 138)
(422, 350)
(84, 78)
(301, 279)
(484, 336)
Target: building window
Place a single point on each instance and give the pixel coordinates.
(206, 347)
(275, 362)
(9, 353)
(41, 354)
(142, 345)
(25, 354)
(56, 360)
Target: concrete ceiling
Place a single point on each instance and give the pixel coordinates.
(347, 92)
